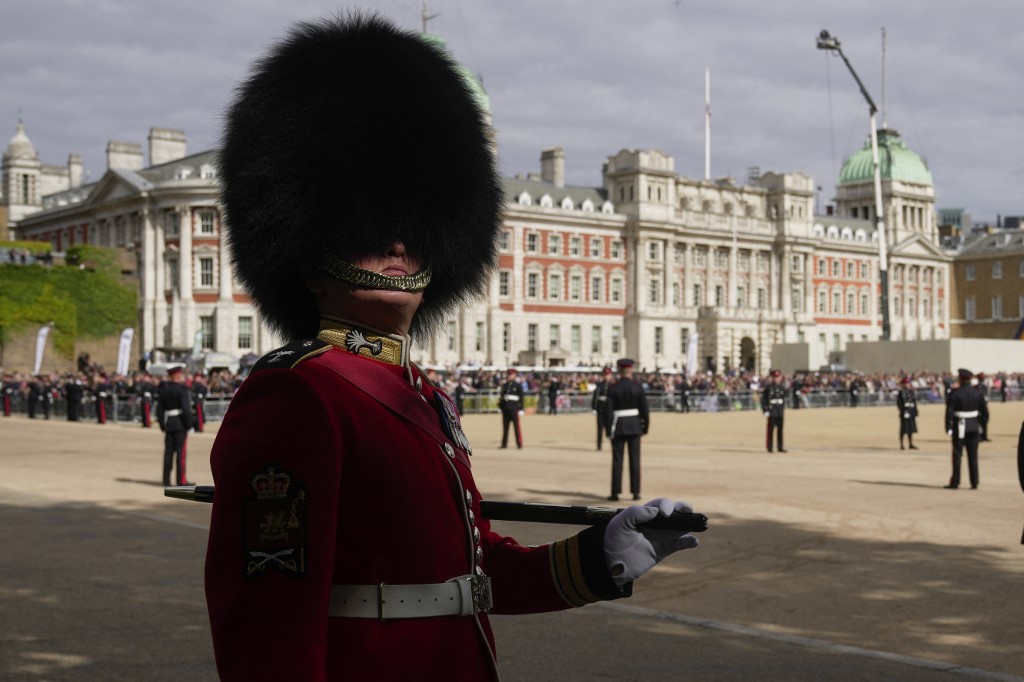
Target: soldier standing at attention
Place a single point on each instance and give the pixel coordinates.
(628, 419)
(906, 405)
(683, 392)
(773, 404)
(199, 392)
(174, 414)
(102, 391)
(599, 403)
(982, 387)
(74, 391)
(347, 539)
(965, 412)
(9, 386)
(510, 400)
(146, 389)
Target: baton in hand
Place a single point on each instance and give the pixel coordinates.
(578, 515)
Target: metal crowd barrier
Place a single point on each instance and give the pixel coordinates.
(120, 408)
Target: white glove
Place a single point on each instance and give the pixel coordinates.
(631, 552)
(766, 414)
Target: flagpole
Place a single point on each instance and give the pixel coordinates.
(707, 124)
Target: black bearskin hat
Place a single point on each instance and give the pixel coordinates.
(349, 134)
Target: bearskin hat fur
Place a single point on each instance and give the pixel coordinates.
(349, 134)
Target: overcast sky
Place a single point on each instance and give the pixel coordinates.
(591, 76)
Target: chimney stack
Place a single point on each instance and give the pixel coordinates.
(124, 155)
(74, 171)
(166, 145)
(552, 166)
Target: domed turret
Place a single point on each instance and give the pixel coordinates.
(20, 147)
(896, 162)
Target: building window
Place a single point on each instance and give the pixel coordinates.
(835, 268)
(821, 266)
(969, 308)
(595, 339)
(851, 304)
(173, 224)
(596, 289)
(172, 273)
(684, 341)
(531, 337)
(532, 242)
(796, 299)
(596, 247)
(616, 248)
(700, 257)
(863, 270)
(698, 295)
(575, 246)
(659, 340)
(969, 272)
(721, 259)
(926, 308)
(554, 334)
(850, 271)
(912, 307)
(997, 269)
(864, 303)
(741, 297)
(206, 272)
(504, 279)
(554, 244)
(654, 291)
(997, 307)
(616, 340)
(719, 295)
(532, 284)
(207, 332)
(796, 264)
(505, 241)
(576, 287)
(676, 294)
(836, 303)
(762, 262)
(452, 335)
(576, 339)
(822, 302)
(616, 290)
(554, 286)
(244, 333)
(479, 337)
(762, 298)
(897, 306)
(206, 222)
(506, 337)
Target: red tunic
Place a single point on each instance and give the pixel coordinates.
(377, 490)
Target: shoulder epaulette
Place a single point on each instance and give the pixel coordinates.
(287, 357)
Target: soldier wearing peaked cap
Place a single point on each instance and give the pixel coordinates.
(773, 404)
(510, 399)
(628, 418)
(906, 405)
(965, 411)
(599, 403)
(174, 414)
(346, 538)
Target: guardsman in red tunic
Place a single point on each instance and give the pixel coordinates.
(346, 538)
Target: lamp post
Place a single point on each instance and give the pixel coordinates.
(831, 43)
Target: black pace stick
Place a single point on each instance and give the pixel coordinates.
(517, 511)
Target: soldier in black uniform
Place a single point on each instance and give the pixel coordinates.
(554, 388)
(146, 390)
(102, 392)
(199, 391)
(683, 393)
(174, 414)
(797, 386)
(906, 405)
(74, 392)
(599, 402)
(628, 419)
(510, 400)
(982, 387)
(39, 396)
(854, 390)
(964, 413)
(773, 404)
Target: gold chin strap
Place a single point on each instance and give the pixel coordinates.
(346, 272)
(390, 348)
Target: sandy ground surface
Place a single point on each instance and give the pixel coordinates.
(841, 559)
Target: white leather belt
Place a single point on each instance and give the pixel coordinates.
(602, 397)
(462, 596)
(973, 414)
(777, 401)
(510, 397)
(634, 412)
(172, 413)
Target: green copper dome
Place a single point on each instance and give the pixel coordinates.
(896, 161)
(475, 86)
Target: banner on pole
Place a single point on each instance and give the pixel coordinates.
(124, 350)
(44, 331)
(691, 355)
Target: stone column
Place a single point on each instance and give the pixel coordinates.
(182, 335)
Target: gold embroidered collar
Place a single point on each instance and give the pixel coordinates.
(361, 340)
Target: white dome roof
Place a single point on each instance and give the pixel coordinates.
(20, 146)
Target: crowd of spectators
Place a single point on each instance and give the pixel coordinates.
(570, 388)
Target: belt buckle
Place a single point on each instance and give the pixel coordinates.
(481, 588)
